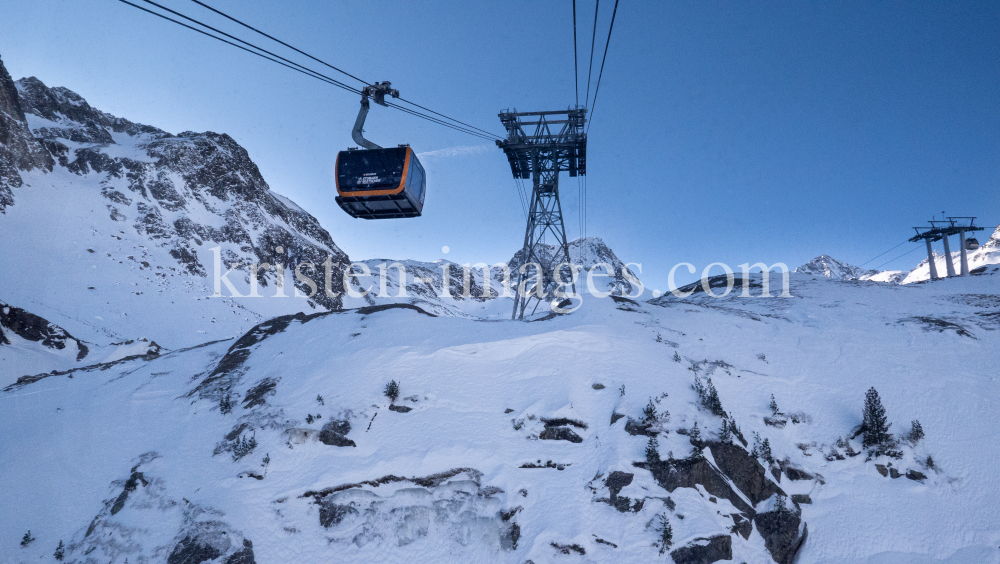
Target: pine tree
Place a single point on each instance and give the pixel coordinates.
(735, 430)
(649, 412)
(712, 401)
(27, 539)
(666, 534)
(726, 435)
(929, 462)
(874, 425)
(60, 552)
(226, 404)
(773, 406)
(319, 398)
(309, 419)
(756, 445)
(391, 390)
(677, 357)
(694, 435)
(916, 432)
(765, 451)
(652, 451)
(699, 389)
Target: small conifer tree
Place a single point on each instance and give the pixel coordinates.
(666, 534)
(929, 462)
(725, 434)
(780, 505)
(765, 451)
(694, 435)
(60, 552)
(756, 445)
(319, 398)
(649, 412)
(652, 451)
(874, 425)
(773, 406)
(27, 539)
(391, 390)
(677, 357)
(226, 403)
(712, 401)
(916, 432)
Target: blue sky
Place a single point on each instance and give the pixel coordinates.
(724, 131)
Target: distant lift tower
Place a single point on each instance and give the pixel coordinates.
(553, 146)
(940, 230)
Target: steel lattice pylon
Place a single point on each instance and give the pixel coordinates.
(541, 156)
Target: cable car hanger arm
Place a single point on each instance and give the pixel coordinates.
(378, 92)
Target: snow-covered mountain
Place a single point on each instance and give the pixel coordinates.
(131, 214)
(252, 434)
(424, 281)
(825, 265)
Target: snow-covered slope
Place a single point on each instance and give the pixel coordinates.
(825, 265)
(504, 446)
(108, 225)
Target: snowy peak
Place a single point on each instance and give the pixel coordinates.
(588, 252)
(84, 124)
(158, 211)
(825, 265)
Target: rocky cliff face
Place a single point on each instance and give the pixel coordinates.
(178, 191)
(19, 150)
(157, 211)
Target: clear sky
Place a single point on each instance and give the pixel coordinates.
(724, 131)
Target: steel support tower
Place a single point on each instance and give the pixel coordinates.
(557, 142)
(939, 231)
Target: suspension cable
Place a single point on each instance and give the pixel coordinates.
(917, 248)
(291, 64)
(227, 16)
(883, 253)
(598, 88)
(164, 8)
(235, 45)
(576, 69)
(593, 37)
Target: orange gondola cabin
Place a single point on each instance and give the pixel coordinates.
(380, 183)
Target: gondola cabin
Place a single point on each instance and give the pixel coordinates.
(380, 183)
(971, 244)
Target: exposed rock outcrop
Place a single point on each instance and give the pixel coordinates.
(704, 550)
(19, 150)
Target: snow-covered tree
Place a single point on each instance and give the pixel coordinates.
(666, 534)
(874, 425)
(652, 451)
(649, 412)
(391, 390)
